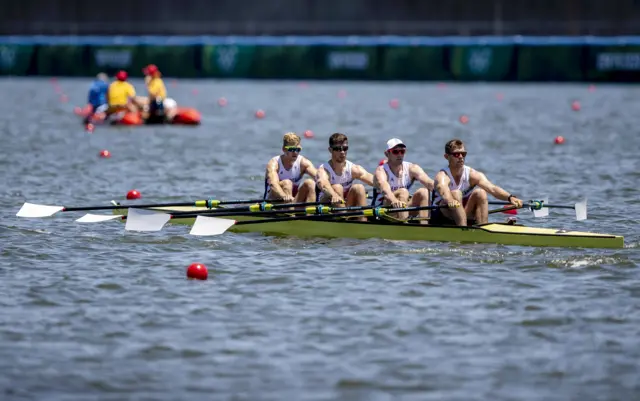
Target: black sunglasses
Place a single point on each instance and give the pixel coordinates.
(340, 148)
(458, 154)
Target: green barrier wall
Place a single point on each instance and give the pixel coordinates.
(414, 63)
(62, 60)
(550, 63)
(483, 63)
(183, 61)
(347, 62)
(16, 59)
(111, 59)
(227, 61)
(613, 63)
(173, 61)
(499, 62)
(284, 62)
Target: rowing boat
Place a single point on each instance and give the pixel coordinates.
(493, 233)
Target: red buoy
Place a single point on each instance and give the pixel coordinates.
(197, 271)
(133, 194)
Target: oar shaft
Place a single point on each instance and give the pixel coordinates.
(527, 205)
(113, 207)
(258, 208)
(198, 203)
(327, 212)
(303, 217)
(365, 212)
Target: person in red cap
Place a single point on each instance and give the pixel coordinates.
(157, 107)
(120, 94)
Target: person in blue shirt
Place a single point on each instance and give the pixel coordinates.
(97, 97)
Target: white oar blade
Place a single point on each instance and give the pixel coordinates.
(34, 210)
(205, 225)
(544, 212)
(145, 220)
(581, 210)
(97, 218)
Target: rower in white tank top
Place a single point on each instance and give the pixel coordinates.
(346, 179)
(462, 186)
(292, 174)
(404, 181)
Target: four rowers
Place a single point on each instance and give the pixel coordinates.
(457, 192)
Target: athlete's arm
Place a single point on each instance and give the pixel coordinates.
(442, 182)
(359, 173)
(324, 184)
(307, 168)
(380, 182)
(418, 173)
(479, 179)
(273, 179)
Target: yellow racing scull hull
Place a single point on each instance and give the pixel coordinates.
(493, 233)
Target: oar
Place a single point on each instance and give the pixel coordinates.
(208, 225)
(150, 220)
(35, 210)
(541, 208)
(255, 209)
(262, 210)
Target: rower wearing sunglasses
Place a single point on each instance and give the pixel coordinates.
(335, 177)
(285, 173)
(393, 179)
(458, 184)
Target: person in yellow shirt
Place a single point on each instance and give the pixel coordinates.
(120, 94)
(157, 107)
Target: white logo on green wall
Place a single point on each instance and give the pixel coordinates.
(7, 57)
(118, 58)
(479, 59)
(226, 58)
(618, 61)
(347, 60)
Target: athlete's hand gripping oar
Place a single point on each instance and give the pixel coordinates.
(35, 210)
(541, 208)
(207, 225)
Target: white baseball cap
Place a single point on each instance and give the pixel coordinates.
(393, 142)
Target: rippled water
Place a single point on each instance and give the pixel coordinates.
(91, 312)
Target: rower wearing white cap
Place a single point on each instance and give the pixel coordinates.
(393, 179)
